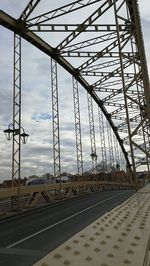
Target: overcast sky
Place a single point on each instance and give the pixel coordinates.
(37, 155)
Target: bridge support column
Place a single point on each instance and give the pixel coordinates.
(92, 133)
(125, 87)
(77, 128)
(55, 117)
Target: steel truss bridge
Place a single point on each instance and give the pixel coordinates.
(103, 52)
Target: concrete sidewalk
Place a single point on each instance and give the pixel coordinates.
(120, 237)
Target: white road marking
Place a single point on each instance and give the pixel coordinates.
(62, 221)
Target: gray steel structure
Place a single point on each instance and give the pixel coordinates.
(92, 133)
(77, 127)
(16, 147)
(55, 118)
(102, 136)
(110, 154)
(122, 91)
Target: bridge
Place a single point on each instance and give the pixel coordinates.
(99, 93)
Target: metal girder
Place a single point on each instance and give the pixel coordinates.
(16, 147)
(89, 42)
(112, 83)
(118, 111)
(96, 14)
(103, 74)
(120, 48)
(28, 10)
(101, 53)
(102, 136)
(141, 149)
(114, 73)
(116, 151)
(110, 145)
(77, 127)
(102, 65)
(39, 27)
(63, 10)
(92, 133)
(91, 54)
(135, 17)
(123, 161)
(55, 117)
(133, 119)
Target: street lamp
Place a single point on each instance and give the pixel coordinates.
(93, 155)
(94, 161)
(15, 134)
(10, 132)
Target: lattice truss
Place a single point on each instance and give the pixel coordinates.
(100, 43)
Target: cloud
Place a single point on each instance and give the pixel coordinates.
(41, 116)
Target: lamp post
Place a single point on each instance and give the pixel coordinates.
(15, 134)
(94, 161)
(9, 133)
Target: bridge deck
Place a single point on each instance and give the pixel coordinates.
(120, 237)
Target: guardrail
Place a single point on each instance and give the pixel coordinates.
(23, 190)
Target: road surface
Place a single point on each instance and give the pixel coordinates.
(26, 238)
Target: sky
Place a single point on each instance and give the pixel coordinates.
(37, 154)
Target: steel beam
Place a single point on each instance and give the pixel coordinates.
(102, 137)
(28, 10)
(116, 12)
(92, 133)
(55, 116)
(61, 11)
(45, 27)
(77, 127)
(110, 146)
(96, 14)
(16, 149)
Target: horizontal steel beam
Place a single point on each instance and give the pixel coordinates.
(39, 27)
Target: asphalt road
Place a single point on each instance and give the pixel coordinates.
(26, 238)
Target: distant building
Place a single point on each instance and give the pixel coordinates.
(62, 179)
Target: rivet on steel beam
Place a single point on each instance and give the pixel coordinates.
(67, 247)
(75, 241)
(137, 237)
(124, 234)
(66, 262)
(116, 246)
(92, 239)
(130, 251)
(108, 236)
(86, 245)
(76, 252)
(127, 261)
(120, 239)
(57, 256)
(133, 244)
(88, 258)
(97, 250)
(110, 255)
(103, 242)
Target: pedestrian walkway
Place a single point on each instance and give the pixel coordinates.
(120, 237)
